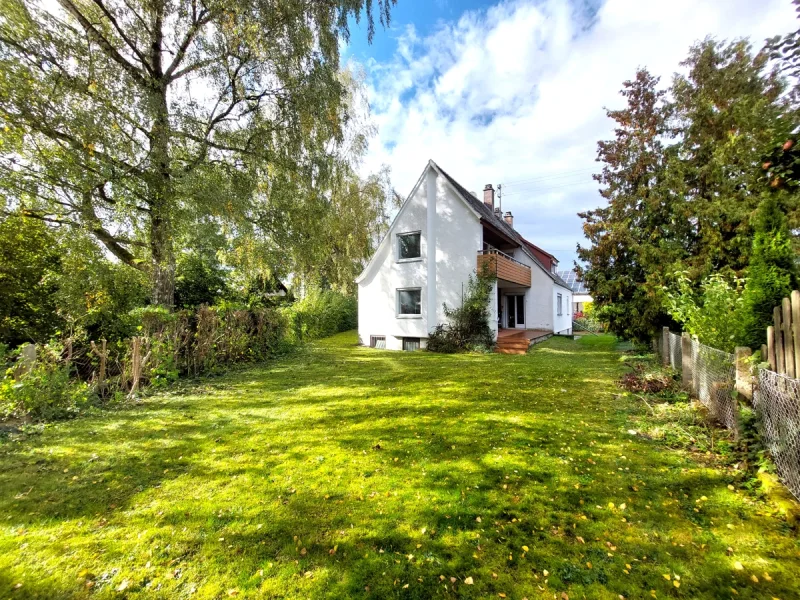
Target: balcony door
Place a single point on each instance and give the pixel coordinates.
(515, 311)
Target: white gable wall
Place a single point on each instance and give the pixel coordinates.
(459, 237)
(458, 233)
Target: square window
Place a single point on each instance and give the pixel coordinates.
(408, 245)
(377, 341)
(409, 302)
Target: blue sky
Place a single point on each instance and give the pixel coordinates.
(514, 92)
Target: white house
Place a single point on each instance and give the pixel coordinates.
(440, 235)
(580, 293)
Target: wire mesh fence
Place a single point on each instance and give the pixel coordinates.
(675, 353)
(777, 404)
(713, 381)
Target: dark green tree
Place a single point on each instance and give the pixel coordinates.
(30, 265)
(772, 274)
(631, 237)
(729, 108)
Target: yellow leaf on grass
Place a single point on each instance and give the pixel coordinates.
(666, 576)
(525, 548)
(469, 581)
(545, 572)
(754, 579)
(738, 566)
(767, 577)
(580, 539)
(676, 583)
(589, 565)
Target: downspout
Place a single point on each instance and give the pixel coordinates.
(430, 183)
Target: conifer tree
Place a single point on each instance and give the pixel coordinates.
(772, 274)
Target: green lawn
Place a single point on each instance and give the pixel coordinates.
(349, 472)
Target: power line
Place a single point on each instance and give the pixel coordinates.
(546, 189)
(547, 177)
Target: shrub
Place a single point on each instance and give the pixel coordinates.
(468, 327)
(46, 392)
(709, 314)
(320, 314)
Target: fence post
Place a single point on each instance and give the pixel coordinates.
(665, 346)
(26, 361)
(778, 333)
(686, 360)
(788, 344)
(773, 363)
(744, 379)
(136, 366)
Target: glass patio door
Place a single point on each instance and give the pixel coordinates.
(515, 309)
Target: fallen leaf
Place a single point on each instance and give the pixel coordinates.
(753, 578)
(525, 548)
(738, 566)
(123, 586)
(468, 581)
(676, 583)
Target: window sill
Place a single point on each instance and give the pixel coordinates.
(409, 260)
(409, 316)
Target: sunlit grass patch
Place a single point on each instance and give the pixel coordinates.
(348, 472)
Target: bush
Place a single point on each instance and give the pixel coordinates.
(711, 314)
(47, 392)
(321, 314)
(468, 327)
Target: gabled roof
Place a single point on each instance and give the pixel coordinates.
(486, 214)
(483, 212)
(576, 285)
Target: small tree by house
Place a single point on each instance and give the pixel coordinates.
(468, 327)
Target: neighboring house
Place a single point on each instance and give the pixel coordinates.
(401, 291)
(580, 293)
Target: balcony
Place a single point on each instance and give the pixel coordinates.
(505, 268)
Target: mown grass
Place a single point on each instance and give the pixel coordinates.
(349, 472)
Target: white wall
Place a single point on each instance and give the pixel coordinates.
(563, 322)
(458, 241)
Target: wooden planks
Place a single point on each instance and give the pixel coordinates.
(783, 337)
(506, 268)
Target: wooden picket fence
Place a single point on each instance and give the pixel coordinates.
(782, 349)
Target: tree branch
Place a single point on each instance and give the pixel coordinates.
(104, 44)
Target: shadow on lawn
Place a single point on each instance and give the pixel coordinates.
(439, 480)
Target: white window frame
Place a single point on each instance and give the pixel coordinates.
(559, 305)
(397, 303)
(397, 246)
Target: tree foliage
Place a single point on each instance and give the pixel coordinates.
(710, 313)
(773, 272)
(30, 265)
(682, 179)
(633, 232)
(120, 116)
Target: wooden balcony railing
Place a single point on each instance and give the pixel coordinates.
(504, 267)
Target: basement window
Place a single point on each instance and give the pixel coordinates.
(410, 344)
(377, 341)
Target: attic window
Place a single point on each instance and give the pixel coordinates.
(408, 245)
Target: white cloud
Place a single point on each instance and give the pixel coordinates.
(517, 92)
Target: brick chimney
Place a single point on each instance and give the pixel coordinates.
(488, 196)
(509, 218)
